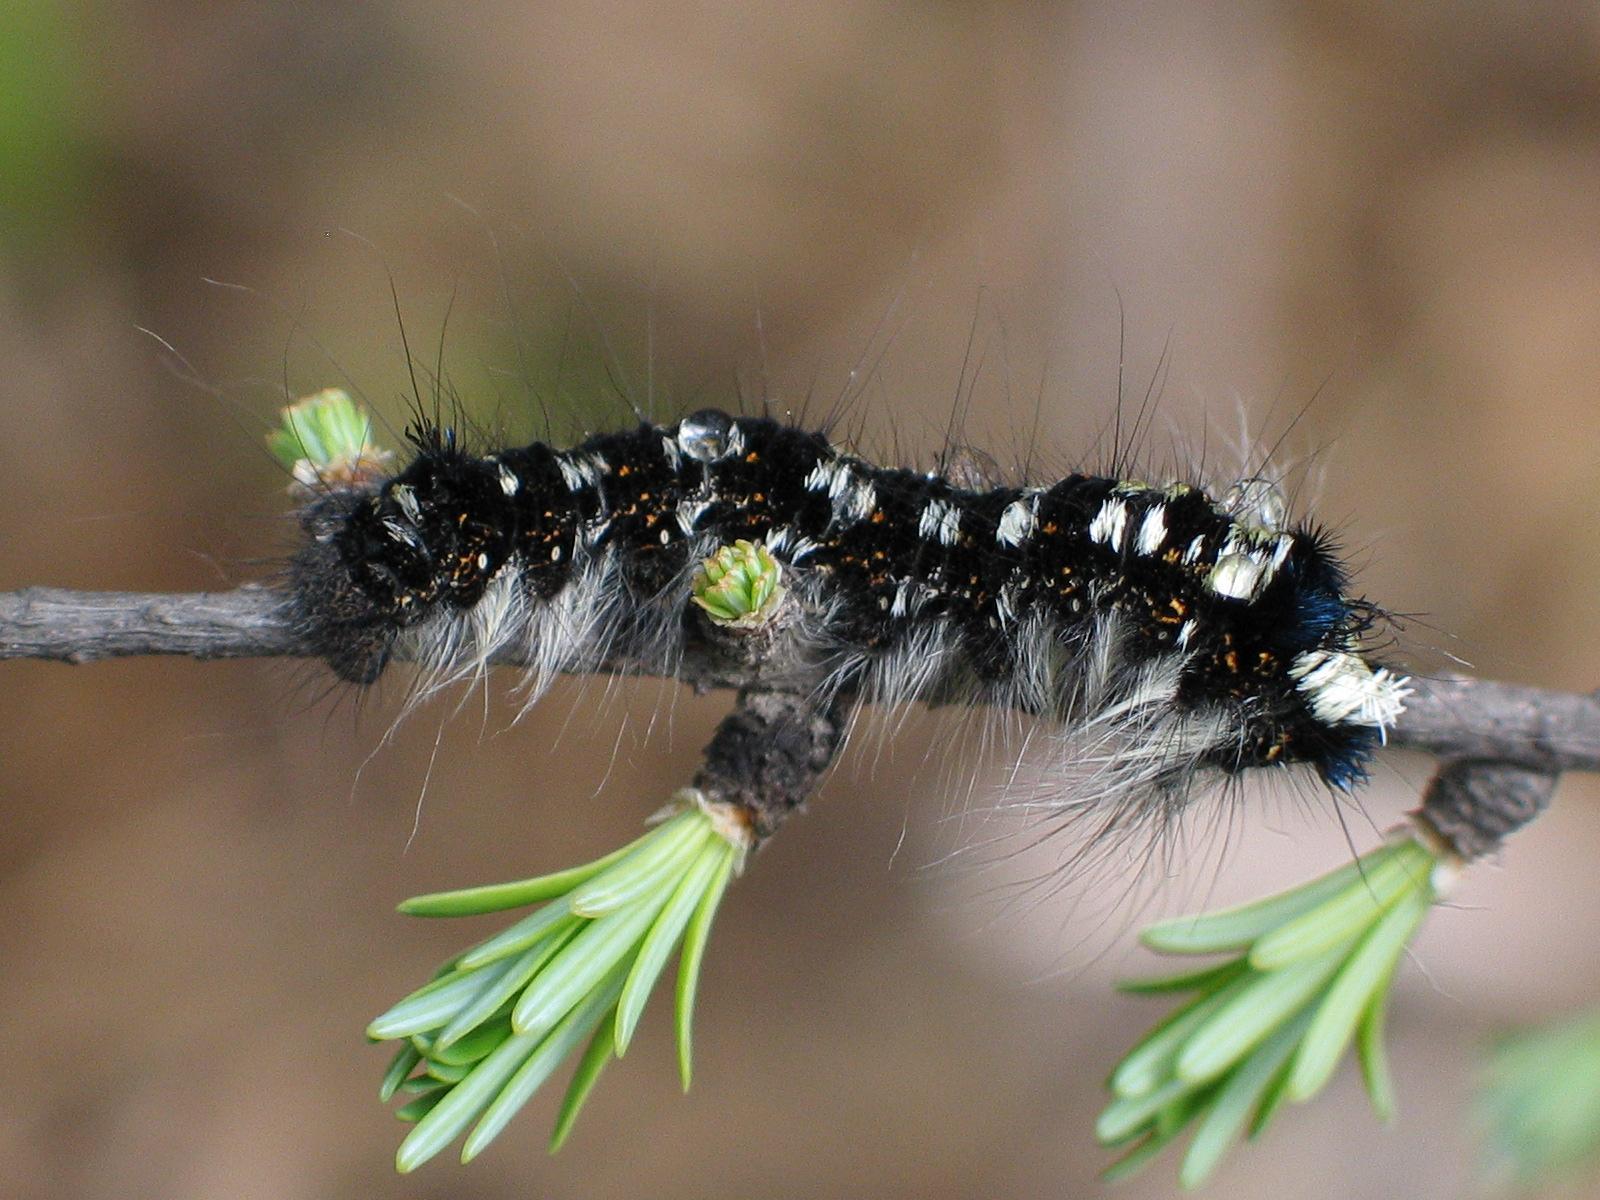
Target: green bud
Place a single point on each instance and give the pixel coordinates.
(739, 586)
(325, 440)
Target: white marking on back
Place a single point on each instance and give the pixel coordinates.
(857, 502)
(1196, 548)
(509, 483)
(785, 543)
(1108, 524)
(853, 498)
(841, 480)
(1152, 530)
(942, 520)
(582, 471)
(822, 476)
(572, 473)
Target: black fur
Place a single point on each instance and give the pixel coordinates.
(434, 536)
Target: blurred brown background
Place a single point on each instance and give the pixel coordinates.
(1394, 210)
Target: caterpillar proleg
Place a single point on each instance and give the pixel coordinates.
(1168, 634)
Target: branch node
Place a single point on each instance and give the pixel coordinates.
(769, 755)
(1473, 805)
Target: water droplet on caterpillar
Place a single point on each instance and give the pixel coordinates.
(1257, 503)
(703, 436)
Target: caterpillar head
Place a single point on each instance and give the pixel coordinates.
(339, 612)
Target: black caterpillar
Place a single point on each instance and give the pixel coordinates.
(1164, 630)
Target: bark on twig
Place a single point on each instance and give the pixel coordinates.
(1503, 745)
(1474, 804)
(769, 755)
(80, 627)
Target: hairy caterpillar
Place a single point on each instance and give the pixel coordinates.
(1169, 634)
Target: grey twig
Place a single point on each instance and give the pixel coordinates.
(80, 627)
(1491, 736)
(252, 622)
